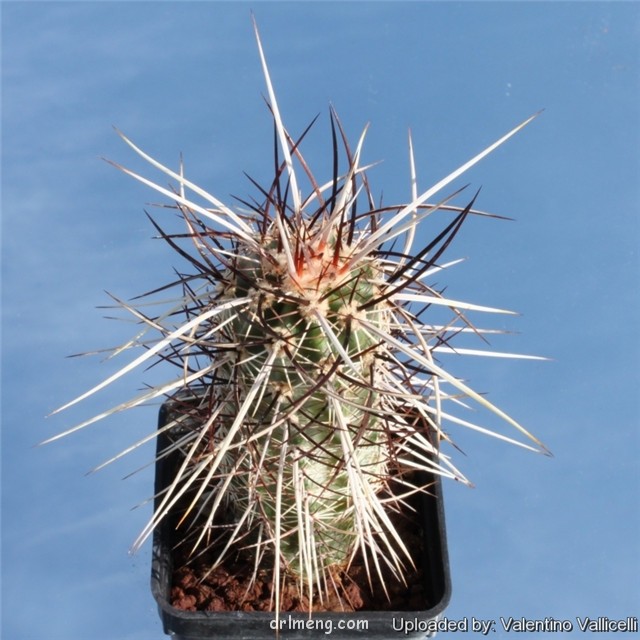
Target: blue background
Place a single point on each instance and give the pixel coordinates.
(537, 537)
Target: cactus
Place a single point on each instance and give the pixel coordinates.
(308, 390)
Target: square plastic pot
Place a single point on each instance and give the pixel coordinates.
(369, 625)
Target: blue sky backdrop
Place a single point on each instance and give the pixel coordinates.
(537, 537)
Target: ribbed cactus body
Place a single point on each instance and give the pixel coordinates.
(313, 431)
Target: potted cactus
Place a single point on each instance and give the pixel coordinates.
(299, 446)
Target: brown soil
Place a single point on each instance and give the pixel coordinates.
(229, 586)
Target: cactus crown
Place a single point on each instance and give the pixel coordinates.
(308, 381)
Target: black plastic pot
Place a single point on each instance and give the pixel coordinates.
(201, 625)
